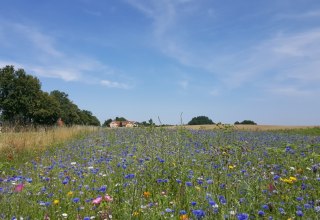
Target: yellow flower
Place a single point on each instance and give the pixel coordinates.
(290, 180)
(146, 194)
(135, 213)
(293, 179)
(70, 193)
(231, 166)
(56, 201)
(197, 188)
(183, 217)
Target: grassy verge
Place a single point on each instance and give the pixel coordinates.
(19, 146)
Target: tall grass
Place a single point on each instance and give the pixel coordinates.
(15, 144)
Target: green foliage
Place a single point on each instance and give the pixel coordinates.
(22, 102)
(147, 124)
(107, 123)
(201, 120)
(245, 122)
(120, 119)
(21, 99)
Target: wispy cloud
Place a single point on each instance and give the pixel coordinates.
(114, 84)
(280, 58)
(39, 53)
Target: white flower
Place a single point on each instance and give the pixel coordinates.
(64, 215)
(232, 212)
(90, 168)
(292, 168)
(73, 163)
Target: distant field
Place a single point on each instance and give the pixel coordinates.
(250, 127)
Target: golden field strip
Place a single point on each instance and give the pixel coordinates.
(41, 139)
(249, 127)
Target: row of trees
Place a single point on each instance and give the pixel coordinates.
(204, 120)
(22, 102)
(245, 122)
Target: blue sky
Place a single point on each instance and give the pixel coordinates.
(142, 59)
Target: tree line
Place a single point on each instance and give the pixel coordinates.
(204, 120)
(22, 102)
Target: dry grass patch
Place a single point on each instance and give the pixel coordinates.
(30, 140)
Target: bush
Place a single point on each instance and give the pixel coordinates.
(201, 120)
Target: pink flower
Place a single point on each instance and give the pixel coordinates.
(97, 201)
(19, 187)
(108, 198)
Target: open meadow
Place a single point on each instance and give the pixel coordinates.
(160, 173)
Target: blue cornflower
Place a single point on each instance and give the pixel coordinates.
(193, 203)
(276, 177)
(212, 203)
(183, 212)
(299, 213)
(242, 216)
(103, 189)
(168, 210)
(65, 181)
(299, 198)
(188, 184)
(307, 206)
(199, 213)
(75, 200)
(129, 176)
(265, 206)
(281, 210)
(86, 218)
(209, 181)
(261, 213)
(222, 200)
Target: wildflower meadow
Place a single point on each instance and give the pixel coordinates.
(159, 173)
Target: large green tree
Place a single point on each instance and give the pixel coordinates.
(23, 102)
(19, 94)
(47, 111)
(86, 118)
(200, 120)
(69, 110)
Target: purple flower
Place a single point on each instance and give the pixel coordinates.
(222, 200)
(242, 216)
(129, 176)
(299, 213)
(199, 213)
(261, 213)
(188, 184)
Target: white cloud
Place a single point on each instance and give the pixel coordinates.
(42, 42)
(285, 55)
(113, 84)
(37, 52)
